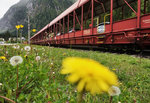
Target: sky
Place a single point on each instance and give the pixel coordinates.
(5, 5)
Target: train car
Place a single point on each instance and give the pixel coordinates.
(119, 24)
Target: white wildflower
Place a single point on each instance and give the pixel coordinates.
(38, 58)
(119, 102)
(27, 48)
(17, 46)
(53, 72)
(6, 52)
(113, 91)
(1, 84)
(14, 47)
(15, 60)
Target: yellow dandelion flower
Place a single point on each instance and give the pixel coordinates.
(3, 58)
(33, 30)
(18, 27)
(64, 54)
(114, 69)
(89, 74)
(21, 26)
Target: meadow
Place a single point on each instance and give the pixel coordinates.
(40, 81)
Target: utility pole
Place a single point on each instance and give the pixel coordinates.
(28, 29)
(21, 36)
(17, 35)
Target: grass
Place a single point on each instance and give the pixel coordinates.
(41, 82)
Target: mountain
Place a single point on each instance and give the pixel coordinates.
(41, 12)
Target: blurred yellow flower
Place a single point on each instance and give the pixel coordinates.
(114, 69)
(64, 54)
(21, 26)
(3, 58)
(89, 74)
(18, 27)
(34, 30)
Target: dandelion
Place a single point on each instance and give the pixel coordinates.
(114, 69)
(1, 84)
(15, 60)
(53, 72)
(27, 48)
(17, 46)
(114, 91)
(14, 47)
(89, 74)
(6, 52)
(64, 54)
(38, 58)
(3, 58)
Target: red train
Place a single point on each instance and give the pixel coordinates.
(119, 24)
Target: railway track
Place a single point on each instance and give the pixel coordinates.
(137, 53)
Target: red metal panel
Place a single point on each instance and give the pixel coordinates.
(86, 32)
(65, 35)
(145, 21)
(78, 34)
(71, 35)
(124, 25)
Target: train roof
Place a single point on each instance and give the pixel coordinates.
(63, 14)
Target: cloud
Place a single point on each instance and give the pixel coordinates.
(5, 5)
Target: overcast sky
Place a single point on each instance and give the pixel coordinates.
(5, 5)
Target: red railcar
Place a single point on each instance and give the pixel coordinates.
(101, 23)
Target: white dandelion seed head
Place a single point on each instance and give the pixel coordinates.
(14, 47)
(34, 48)
(15, 60)
(52, 63)
(113, 91)
(17, 46)
(6, 52)
(119, 102)
(27, 48)
(38, 58)
(53, 72)
(1, 84)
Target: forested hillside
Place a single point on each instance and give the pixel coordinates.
(41, 12)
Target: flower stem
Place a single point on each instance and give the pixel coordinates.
(17, 84)
(7, 99)
(80, 97)
(111, 99)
